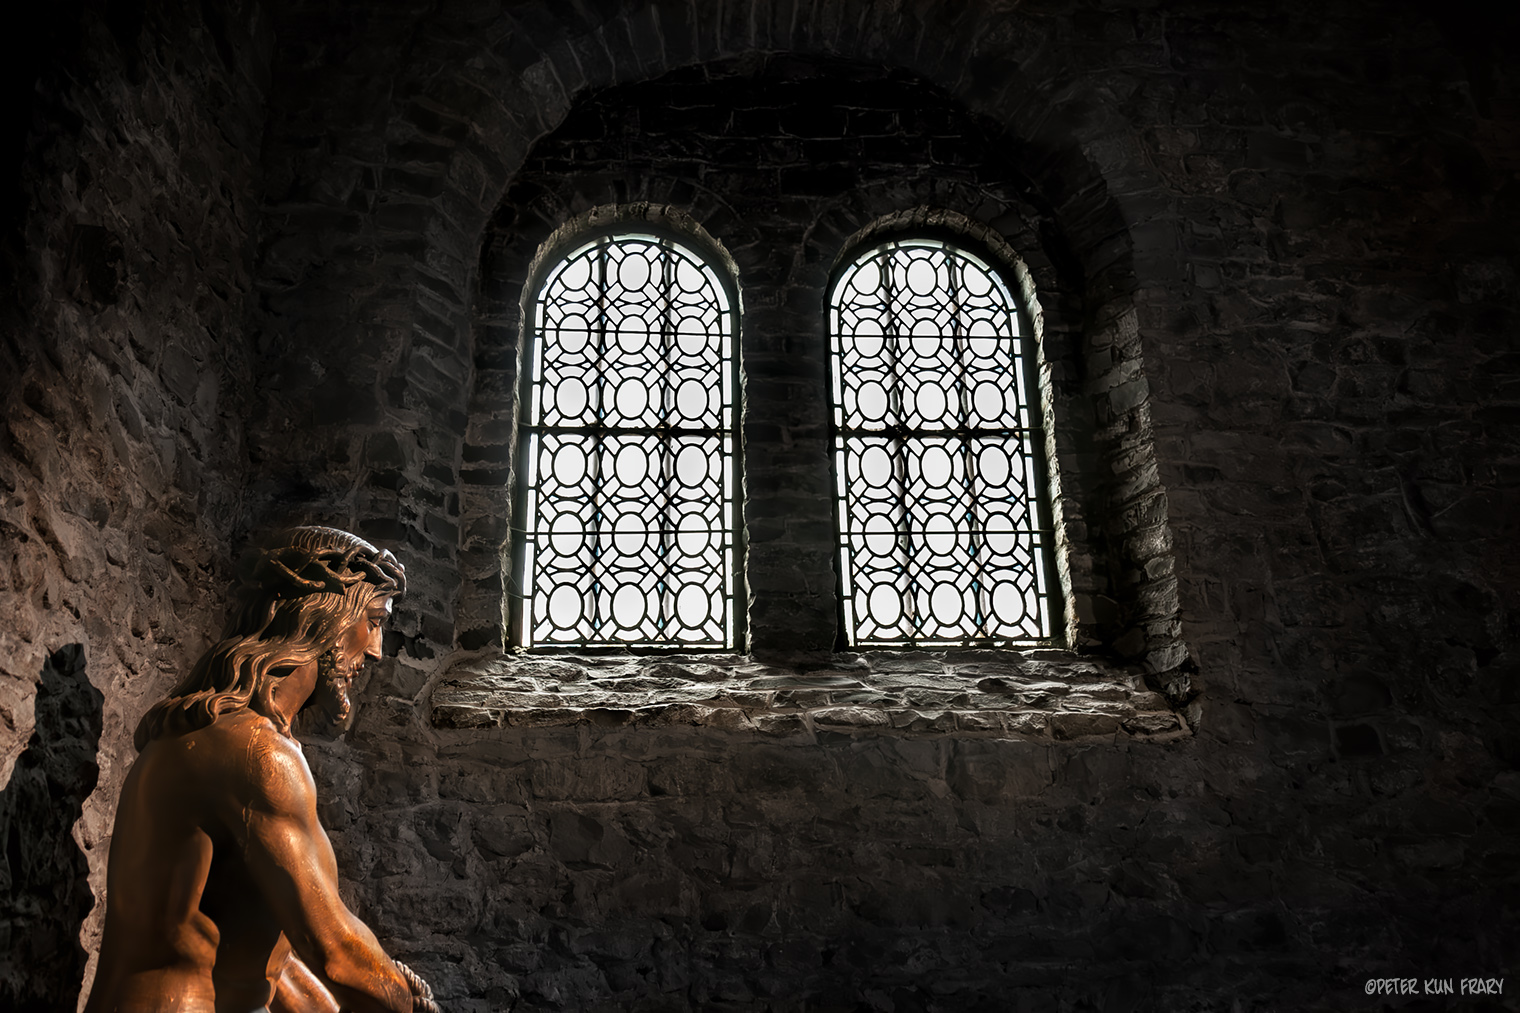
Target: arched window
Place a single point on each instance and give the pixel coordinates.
(628, 465)
(938, 453)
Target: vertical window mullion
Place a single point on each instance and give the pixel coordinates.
(598, 440)
(953, 270)
(664, 442)
(898, 441)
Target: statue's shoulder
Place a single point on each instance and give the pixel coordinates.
(234, 733)
(242, 753)
(211, 746)
(275, 766)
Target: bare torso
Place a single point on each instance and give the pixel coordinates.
(222, 887)
(187, 928)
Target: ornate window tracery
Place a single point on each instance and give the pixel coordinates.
(938, 448)
(629, 465)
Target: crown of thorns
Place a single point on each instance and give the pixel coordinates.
(292, 570)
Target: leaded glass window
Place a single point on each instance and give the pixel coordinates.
(629, 465)
(938, 453)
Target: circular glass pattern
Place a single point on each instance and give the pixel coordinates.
(574, 332)
(628, 534)
(880, 534)
(936, 466)
(632, 334)
(886, 605)
(692, 399)
(692, 536)
(566, 533)
(977, 282)
(930, 402)
(692, 467)
(633, 273)
(632, 399)
(570, 398)
(631, 465)
(871, 400)
(994, 465)
(564, 606)
(692, 336)
(569, 464)
(945, 604)
(989, 401)
(628, 606)
(940, 533)
(922, 277)
(869, 338)
(693, 606)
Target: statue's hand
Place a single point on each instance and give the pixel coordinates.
(422, 992)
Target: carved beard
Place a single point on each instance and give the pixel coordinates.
(331, 693)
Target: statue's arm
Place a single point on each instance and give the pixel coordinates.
(292, 861)
(301, 991)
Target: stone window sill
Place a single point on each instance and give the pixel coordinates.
(1038, 695)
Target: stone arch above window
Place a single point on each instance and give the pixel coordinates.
(790, 193)
(628, 461)
(939, 452)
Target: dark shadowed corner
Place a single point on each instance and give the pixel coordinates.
(44, 878)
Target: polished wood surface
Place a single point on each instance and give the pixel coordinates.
(222, 887)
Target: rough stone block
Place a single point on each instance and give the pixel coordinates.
(992, 772)
(849, 717)
(1067, 725)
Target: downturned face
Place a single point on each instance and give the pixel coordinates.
(355, 645)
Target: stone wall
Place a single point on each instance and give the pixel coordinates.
(1297, 218)
(124, 365)
(789, 163)
(1298, 213)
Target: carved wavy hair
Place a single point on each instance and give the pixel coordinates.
(296, 594)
